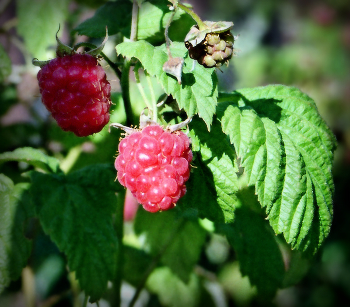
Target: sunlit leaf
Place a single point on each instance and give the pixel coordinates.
(38, 22)
(286, 150)
(198, 91)
(15, 248)
(76, 212)
(33, 157)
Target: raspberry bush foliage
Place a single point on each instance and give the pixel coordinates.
(247, 172)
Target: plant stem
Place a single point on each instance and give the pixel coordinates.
(75, 289)
(113, 65)
(166, 34)
(119, 230)
(156, 260)
(86, 298)
(134, 20)
(196, 18)
(144, 97)
(28, 286)
(72, 157)
(125, 86)
(153, 98)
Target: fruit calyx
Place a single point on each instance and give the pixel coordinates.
(63, 49)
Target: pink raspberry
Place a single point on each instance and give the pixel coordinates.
(154, 165)
(75, 90)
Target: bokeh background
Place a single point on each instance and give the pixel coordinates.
(297, 42)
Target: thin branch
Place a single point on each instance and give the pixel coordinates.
(156, 260)
(125, 86)
(134, 21)
(86, 298)
(166, 33)
(119, 230)
(200, 23)
(153, 98)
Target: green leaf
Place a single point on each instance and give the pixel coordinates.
(115, 15)
(135, 264)
(33, 157)
(171, 290)
(15, 248)
(257, 250)
(198, 91)
(186, 242)
(213, 182)
(286, 150)
(38, 23)
(152, 19)
(8, 97)
(76, 212)
(5, 64)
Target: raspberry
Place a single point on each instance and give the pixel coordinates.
(75, 90)
(154, 165)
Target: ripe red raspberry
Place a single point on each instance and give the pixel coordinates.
(75, 90)
(154, 165)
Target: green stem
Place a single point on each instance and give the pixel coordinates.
(166, 34)
(113, 65)
(86, 298)
(28, 286)
(75, 289)
(119, 230)
(125, 86)
(72, 157)
(144, 97)
(200, 23)
(153, 98)
(156, 260)
(134, 21)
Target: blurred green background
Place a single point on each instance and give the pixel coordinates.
(301, 43)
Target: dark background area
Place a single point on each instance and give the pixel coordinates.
(300, 43)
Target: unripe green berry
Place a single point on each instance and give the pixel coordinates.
(208, 61)
(212, 46)
(213, 39)
(220, 46)
(218, 56)
(228, 52)
(210, 49)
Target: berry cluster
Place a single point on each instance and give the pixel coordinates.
(215, 50)
(75, 90)
(154, 165)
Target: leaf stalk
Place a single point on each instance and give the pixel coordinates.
(200, 23)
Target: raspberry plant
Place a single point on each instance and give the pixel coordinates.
(257, 163)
